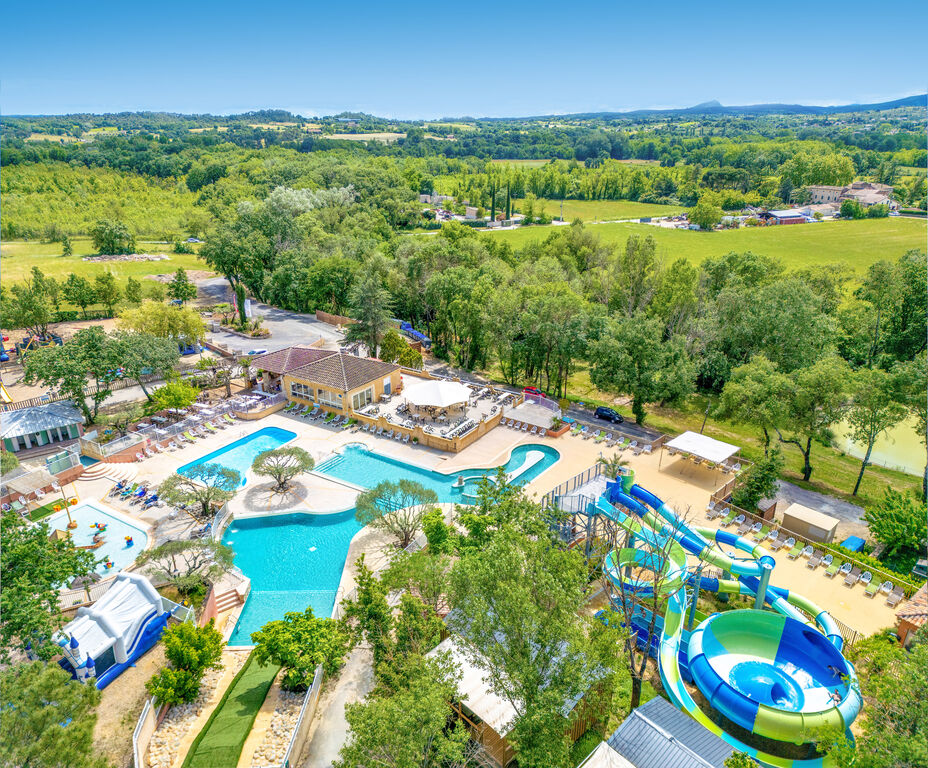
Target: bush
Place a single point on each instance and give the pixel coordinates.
(193, 648)
(175, 686)
(181, 247)
(436, 531)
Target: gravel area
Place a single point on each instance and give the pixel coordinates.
(279, 730)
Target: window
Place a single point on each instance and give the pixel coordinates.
(360, 399)
(301, 390)
(330, 398)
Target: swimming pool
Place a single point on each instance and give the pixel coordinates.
(114, 546)
(361, 466)
(296, 560)
(293, 561)
(240, 455)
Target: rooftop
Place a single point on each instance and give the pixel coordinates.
(285, 360)
(343, 372)
(658, 735)
(27, 421)
(915, 611)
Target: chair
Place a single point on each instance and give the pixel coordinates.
(780, 543)
(761, 534)
(794, 552)
(535, 430)
(139, 457)
(886, 587)
(816, 560)
(229, 417)
(389, 434)
(711, 510)
(588, 435)
(853, 577)
(525, 427)
(826, 561)
(807, 551)
(600, 437)
(872, 588)
(738, 520)
(634, 445)
(646, 449)
(895, 597)
(406, 438)
(729, 519)
(210, 427)
(866, 578)
(743, 528)
(755, 529)
(833, 568)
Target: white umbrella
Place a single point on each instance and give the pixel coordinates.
(440, 394)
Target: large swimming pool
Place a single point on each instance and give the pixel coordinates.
(296, 560)
(240, 455)
(114, 546)
(361, 466)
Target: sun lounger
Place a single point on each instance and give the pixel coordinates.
(807, 551)
(794, 552)
(188, 437)
(535, 430)
(646, 449)
(755, 529)
(406, 438)
(711, 510)
(872, 588)
(398, 436)
(833, 568)
(816, 560)
(139, 457)
(761, 534)
(827, 560)
(895, 597)
(738, 520)
(729, 519)
(743, 528)
(291, 407)
(389, 434)
(525, 427)
(208, 425)
(852, 578)
(780, 543)
(634, 446)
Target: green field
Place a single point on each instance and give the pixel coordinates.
(222, 738)
(604, 210)
(855, 243)
(19, 257)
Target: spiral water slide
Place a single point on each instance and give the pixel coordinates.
(778, 674)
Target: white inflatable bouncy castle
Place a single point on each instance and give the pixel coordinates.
(105, 638)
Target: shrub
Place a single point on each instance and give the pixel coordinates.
(175, 686)
(193, 648)
(299, 643)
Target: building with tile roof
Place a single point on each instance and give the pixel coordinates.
(912, 615)
(337, 381)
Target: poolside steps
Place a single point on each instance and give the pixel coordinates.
(228, 600)
(114, 472)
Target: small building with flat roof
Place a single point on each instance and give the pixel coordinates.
(810, 523)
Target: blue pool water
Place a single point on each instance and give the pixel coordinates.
(114, 546)
(296, 560)
(293, 561)
(88, 461)
(241, 454)
(361, 466)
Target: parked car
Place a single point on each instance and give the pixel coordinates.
(533, 391)
(608, 414)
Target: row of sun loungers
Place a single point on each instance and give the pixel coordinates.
(775, 541)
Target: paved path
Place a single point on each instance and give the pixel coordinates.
(330, 728)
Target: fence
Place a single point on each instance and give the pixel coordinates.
(62, 462)
(91, 447)
(569, 486)
(304, 720)
(544, 402)
(144, 729)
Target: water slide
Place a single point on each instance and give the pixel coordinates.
(107, 637)
(778, 674)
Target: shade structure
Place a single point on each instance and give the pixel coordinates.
(705, 447)
(439, 394)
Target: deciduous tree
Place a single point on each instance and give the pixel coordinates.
(143, 354)
(898, 522)
(107, 291)
(282, 464)
(180, 288)
(299, 643)
(112, 237)
(208, 485)
(873, 411)
(396, 507)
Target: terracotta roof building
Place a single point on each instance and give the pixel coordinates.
(338, 382)
(913, 615)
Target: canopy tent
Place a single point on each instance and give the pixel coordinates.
(438, 394)
(30, 482)
(704, 447)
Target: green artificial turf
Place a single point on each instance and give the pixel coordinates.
(220, 741)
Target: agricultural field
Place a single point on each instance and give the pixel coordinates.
(604, 210)
(855, 243)
(522, 163)
(449, 126)
(59, 139)
(17, 258)
(387, 137)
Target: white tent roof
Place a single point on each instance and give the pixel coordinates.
(705, 447)
(437, 393)
(605, 756)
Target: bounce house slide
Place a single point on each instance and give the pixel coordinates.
(776, 673)
(107, 637)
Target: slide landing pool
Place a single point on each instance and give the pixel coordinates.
(778, 673)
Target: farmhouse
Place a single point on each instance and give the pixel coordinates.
(41, 425)
(866, 193)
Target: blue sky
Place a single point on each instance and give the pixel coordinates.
(405, 59)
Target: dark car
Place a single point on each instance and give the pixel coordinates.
(608, 414)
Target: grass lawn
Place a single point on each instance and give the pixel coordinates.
(222, 738)
(605, 210)
(44, 511)
(855, 243)
(20, 256)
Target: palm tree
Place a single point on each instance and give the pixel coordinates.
(612, 466)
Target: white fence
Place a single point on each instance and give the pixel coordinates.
(144, 729)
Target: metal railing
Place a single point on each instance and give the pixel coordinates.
(569, 486)
(61, 462)
(95, 449)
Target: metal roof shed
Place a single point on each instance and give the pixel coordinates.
(658, 735)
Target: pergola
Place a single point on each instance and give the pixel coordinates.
(700, 446)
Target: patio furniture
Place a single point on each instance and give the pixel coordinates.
(895, 597)
(588, 435)
(406, 438)
(755, 529)
(866, 578)
(872, 588)
(188, 437)
(794, 552)
(525, 427)
(827, 560)
(209, 426)
(772, 538)
(646, 449)
(230, 417)
(633, 445)
(833, 568)
(853, 577)
(535, 430)
(807, 551)
(816, 560)
(139, 457)
(743, 528)
(780, 543)
(738, 520)
(729, 519)
(886, 587)
(761, 534)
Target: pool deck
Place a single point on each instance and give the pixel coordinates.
(685, 486)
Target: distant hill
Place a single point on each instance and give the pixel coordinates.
(716, 108)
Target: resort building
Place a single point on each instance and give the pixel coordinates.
(274, 365)
(866, 193)
(658, 735)
(341, 383)
(489, 718)
(40, 425)
(912, 616)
